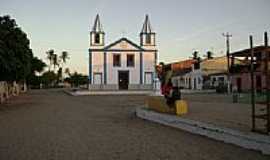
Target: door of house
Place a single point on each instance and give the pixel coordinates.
(258, 83)
(148, 78)
(123, 80)
(189, 83)
(195, 83)
(239, 85)
(97, 78)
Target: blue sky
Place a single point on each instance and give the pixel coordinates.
(182, 26)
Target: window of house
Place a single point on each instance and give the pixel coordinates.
(148, 39)
(116, 60)
(97, 38)
(130, 60)
(221, 79)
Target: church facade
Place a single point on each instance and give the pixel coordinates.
(123, 64)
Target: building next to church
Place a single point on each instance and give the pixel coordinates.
(208, 73)
(241, 73)
(123, 64)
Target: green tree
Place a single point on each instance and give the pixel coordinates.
(49, 79)
(15, 53)
(37, 66)
(59, 74)
(67, 71)
(77, 79)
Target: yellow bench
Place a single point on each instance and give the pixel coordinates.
(158, 103)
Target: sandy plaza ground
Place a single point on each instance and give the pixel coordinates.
(51, 125)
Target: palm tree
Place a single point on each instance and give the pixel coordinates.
(55, 61)
(64, 56)
(50, 57)
(195, 55)
(209, 55)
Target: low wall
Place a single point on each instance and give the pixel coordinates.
(100, 87)
(115, 87)
(140, 87)
(8, 90)
(248, 140)
(198, 91)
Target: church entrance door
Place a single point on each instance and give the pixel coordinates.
(123, 80)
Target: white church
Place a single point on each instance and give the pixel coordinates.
(123, 64)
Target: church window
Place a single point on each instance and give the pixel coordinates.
(116, 60)
(97, 38)
(148, 39)
(130, 60)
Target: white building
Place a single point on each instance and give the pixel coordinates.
(215, 71)
(189, 78)
(122, 65)
(208, 74)
(195, 77)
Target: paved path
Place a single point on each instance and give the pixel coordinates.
(218, 109)
(51, 125)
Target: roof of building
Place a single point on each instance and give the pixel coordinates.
(246, 52)
(217, 65)
(146, 26)
(182, 71)
(123, 39)
(110, 47)
(182, 65)
(97, 25)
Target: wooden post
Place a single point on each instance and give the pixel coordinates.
(267, 91)
(252, 82)
(265, 39)
(267, 80)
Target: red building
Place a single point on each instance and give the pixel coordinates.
(240, 73)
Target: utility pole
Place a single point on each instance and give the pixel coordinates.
(252, 82)
(228, 36)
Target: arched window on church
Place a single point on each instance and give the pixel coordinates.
(148, 39)
(97, 38)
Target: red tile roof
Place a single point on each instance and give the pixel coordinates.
(182, 65)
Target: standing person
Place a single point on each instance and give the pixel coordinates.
(165, 75)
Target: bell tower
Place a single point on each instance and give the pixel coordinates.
(97, 35)
(147, 36)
